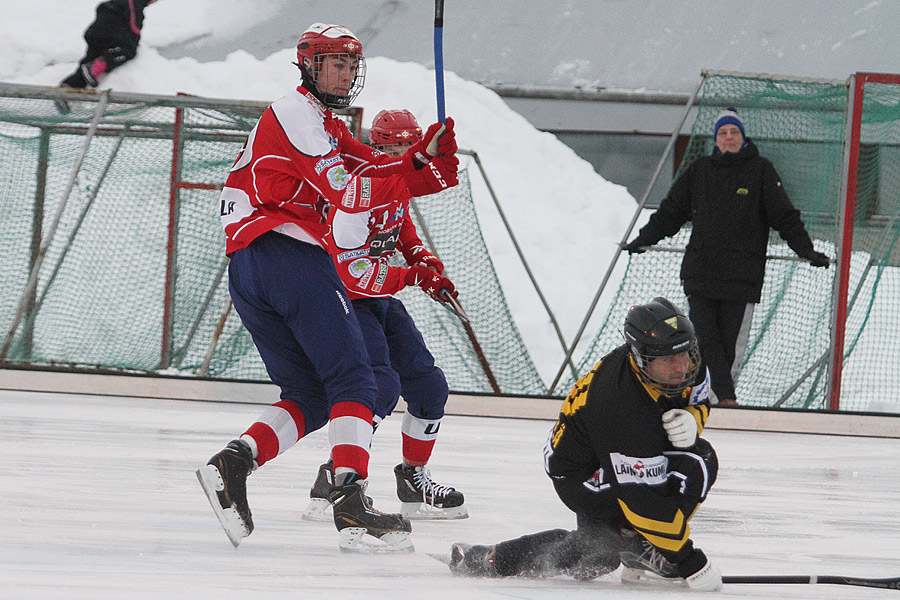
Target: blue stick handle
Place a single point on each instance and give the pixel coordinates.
(439, 57)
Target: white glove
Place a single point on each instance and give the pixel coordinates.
(681, 427)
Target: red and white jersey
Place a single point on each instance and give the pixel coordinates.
(293, 176)
(365, 270)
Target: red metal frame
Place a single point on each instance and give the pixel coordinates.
(837, 359)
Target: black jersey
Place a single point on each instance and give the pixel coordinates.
(609, 435)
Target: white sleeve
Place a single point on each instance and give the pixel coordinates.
(303, 125)
(350, 230)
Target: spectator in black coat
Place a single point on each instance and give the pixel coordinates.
(112, 40)
(732, 197)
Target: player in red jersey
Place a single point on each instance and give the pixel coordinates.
(400, 360)
(284, 195)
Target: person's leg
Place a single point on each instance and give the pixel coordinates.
(423, 385)
(372, 314)
(314, 307)
(735, 319)
(588, 552)
(425, 391)
(705, 316)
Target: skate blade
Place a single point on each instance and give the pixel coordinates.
(641, 577)
(211, 482)
(358, 540)
(318, 509)
(420, 511)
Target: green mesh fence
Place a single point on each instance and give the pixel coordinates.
(129, 284)
(870, 379)
(800, 127)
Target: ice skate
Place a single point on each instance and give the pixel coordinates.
(472, 561)
(363, 528)
(224, 480)
(422, 498)
(643, 562)
(319, 507)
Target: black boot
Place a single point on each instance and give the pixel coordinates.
(224, 480)
(355, 517)
(422, 498)
(473, 561)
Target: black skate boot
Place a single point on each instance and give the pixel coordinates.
(319, 507)
(224, 479)
(643, 562)
(422, 498)
(473, 561)
(355, 518)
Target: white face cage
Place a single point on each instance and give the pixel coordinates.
(332, 100)
(665, 387)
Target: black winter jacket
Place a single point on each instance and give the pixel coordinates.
(732, 201)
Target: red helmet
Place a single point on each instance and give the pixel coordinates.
(321, 40)
(395, 128)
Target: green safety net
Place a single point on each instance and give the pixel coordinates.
(800, 126)
(134, 278)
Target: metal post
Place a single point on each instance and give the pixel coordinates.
(470, 333)
(37, 224)
(90, 202)
(220, 326)
(852, 132)
(634, 218)
(515, 243)
(178, 356)
(31, 286)
(171, 250)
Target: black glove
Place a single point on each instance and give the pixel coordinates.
(817, 259)
(636, 246)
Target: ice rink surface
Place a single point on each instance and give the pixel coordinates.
(100, 501)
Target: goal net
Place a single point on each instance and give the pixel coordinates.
(801, 126)
(114, 197)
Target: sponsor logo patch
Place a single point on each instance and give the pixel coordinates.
(338, 177)
(349, 198)
(365, 192)
(325, 163)
(358, 267)
(379, 281)
(351, 254)
(647, 471)
(384, 242)
(595, 482)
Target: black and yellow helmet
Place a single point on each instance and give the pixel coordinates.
(656, 329)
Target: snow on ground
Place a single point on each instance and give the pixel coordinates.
(566, 218)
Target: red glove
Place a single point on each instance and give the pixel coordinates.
(433, 283)
(439, 138)
(439, 175)
(419, 255)
(446, 142)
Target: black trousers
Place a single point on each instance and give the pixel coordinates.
(722, 327)
(593, 548)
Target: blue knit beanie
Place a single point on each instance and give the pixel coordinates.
(728, 117)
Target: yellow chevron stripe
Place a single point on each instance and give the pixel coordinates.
(673, 528)
(668, 543)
